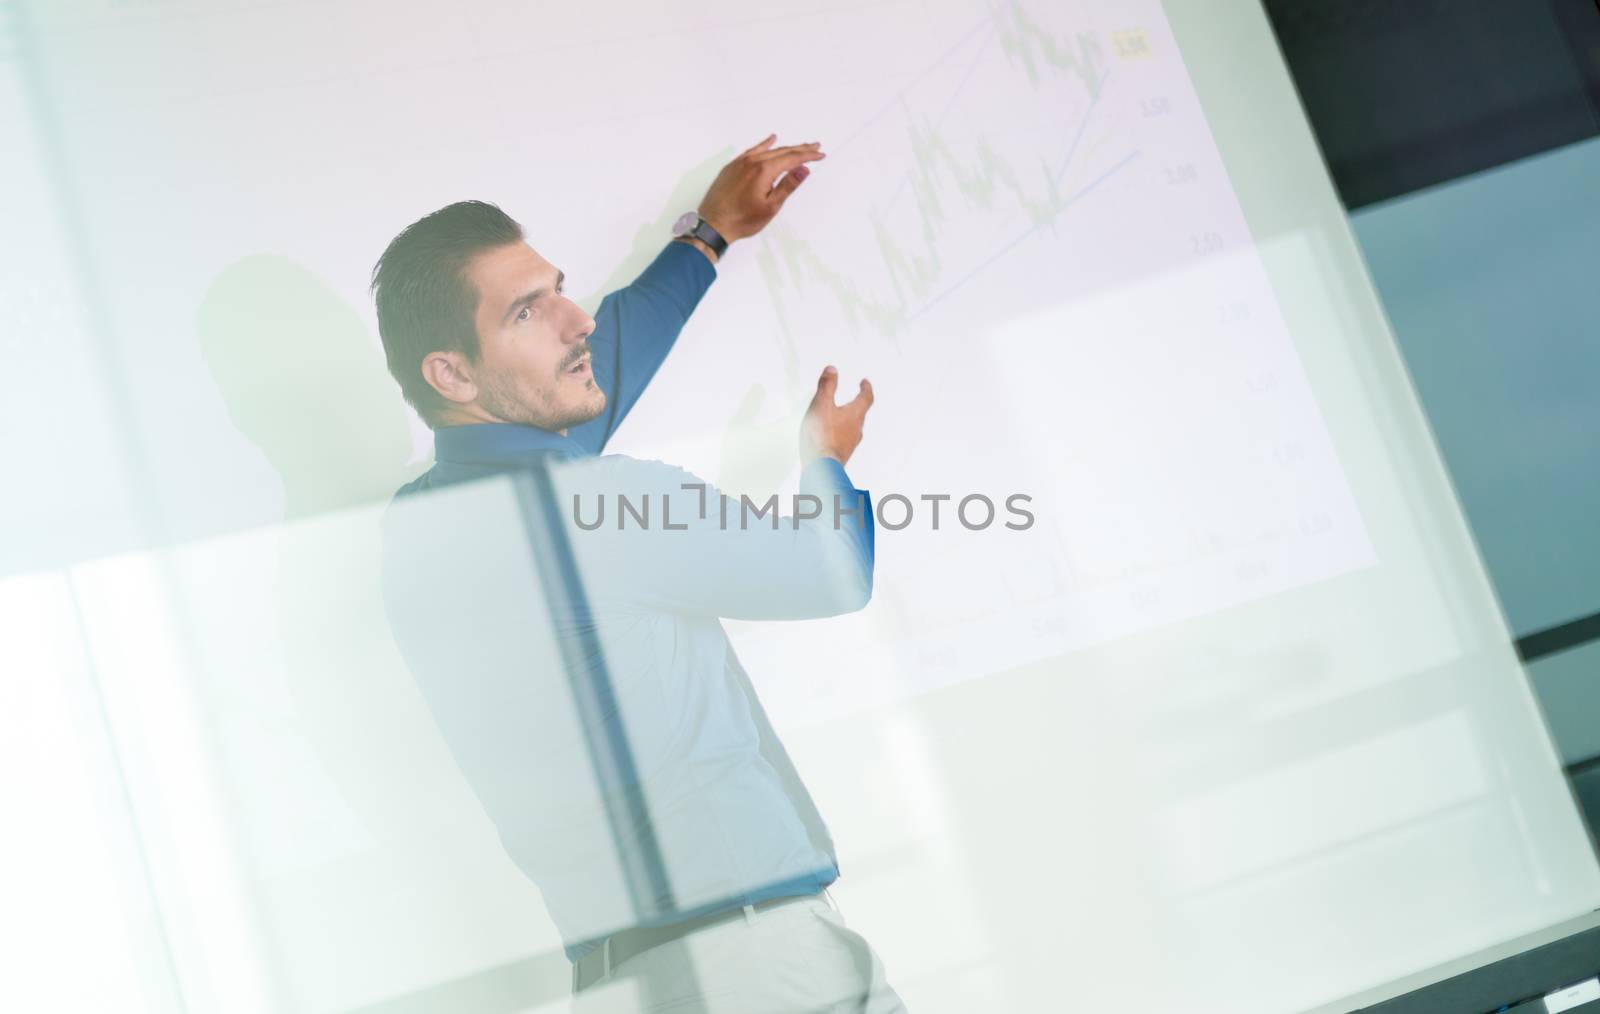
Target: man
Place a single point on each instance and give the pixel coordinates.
(579, 669)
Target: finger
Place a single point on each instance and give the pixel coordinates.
(767, 151)
(790, 183)
(863, 399)
(789, 149)
(775, 167)
(826, 385)
(761, 145)
(772, 171)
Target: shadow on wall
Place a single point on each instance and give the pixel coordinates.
(305, 381)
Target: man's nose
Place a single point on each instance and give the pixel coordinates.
(584, 327)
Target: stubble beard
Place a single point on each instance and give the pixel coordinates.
(542, 408)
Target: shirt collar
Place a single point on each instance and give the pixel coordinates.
(499, 444)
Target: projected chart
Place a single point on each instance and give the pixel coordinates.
(1033, 247)
(956, 179)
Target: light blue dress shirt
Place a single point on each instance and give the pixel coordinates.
(494, 647)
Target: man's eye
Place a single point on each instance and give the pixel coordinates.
(525, 313)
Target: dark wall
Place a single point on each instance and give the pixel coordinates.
(1405, 94)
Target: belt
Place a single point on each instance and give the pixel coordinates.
(628, 943)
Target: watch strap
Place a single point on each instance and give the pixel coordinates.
(703, 232)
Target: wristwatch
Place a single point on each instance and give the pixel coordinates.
(691, 225)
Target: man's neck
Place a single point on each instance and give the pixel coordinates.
(473, 415)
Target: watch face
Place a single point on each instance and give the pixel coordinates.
(685, 223)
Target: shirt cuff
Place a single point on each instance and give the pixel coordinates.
(702, 265)
(825, 473)
(826, 479)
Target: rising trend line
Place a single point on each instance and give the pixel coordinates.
(1072, 149)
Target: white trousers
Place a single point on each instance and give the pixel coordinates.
(796, 958)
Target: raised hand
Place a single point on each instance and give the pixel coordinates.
(748, 192)
(830, 430)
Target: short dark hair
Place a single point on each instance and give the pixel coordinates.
(425, 301)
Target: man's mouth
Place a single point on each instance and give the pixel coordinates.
(579, 368)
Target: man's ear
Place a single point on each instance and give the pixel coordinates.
(450, 374)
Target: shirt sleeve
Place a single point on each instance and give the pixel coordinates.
(634, 329)
(681, 545)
